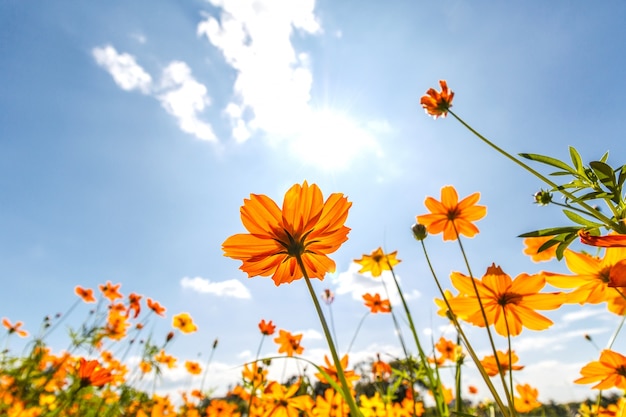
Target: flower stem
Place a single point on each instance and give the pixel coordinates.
(588, 208)
(347, 393)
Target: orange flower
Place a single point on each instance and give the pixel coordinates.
(111, 291)
(282, 402)
(289, 343)
(472, 389)
(116, 326)
(527, 401)
(380, 369)
(375, 304)
(85, 293)
(92, 373)
(255, 374)
(491, 366)
(532, 248)
(508, 304)
(330, 404)
(145, 366)
(610, 241)
(14, 328)
(133, 304)
(437, 103)
(593, 275)
(267, 328)
(163, 357)
(193, 368)
(184, 323)
(156, 307)
(377, 262)
(609, 370)
(448, 349)
(331, 371)
(451, 216)
(307, 228)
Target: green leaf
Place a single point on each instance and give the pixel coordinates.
(576, 159)
(604, 173)
(577, 218)
(605, 157)
(551, 231)
(549, 161)
(622, 175)
(563, 245)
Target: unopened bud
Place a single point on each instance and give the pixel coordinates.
(215, 343)
(169, 337)
(543, 198)
(419, 231)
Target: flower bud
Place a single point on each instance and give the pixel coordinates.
(543, 198)
(419, 231)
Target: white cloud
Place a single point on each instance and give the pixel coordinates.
(180, 94)
(230, 288)
(351, 282)
(582, 314)
(272, 91)
(184, 98)
(126, 73)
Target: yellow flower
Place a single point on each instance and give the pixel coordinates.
(283, 402)
(452, 216)
(377, 262)
(527, 401)
(307, 228)
(609, 370)
(491, 366)
(437, 103)
(508, 304)
(184, 323)
(193, 368)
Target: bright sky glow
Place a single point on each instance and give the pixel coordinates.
(131, 133)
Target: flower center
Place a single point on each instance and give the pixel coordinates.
(509, 298)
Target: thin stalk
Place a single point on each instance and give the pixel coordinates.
(567, 194)
(483, 313)
(347, 394)
(357, 331)
(468, 346)
(614, 336)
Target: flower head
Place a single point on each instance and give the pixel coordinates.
(193, 368)
(156, 307)
(267, 328)
(609, 241)
(110, 291)
(377, 262)
(376, 304)
(85, 293)
(506, 361)
(289, 343)
(307, 228)
(331, 371)
(437, 103)
(609, 371)
(509, 304)
(452, 216)
(184, 323)
(533, 244)
(14, 328)
(527, 400)
(92, 373)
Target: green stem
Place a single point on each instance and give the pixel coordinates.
(567, 194)
(347, 393)
(357, 331)
(468, 346)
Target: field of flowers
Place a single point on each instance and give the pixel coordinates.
(292, 242)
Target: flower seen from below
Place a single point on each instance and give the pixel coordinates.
(376, 304)
(451, 216)
(491, 366)
(289, 343)
(283, 402)
(92, 373)
(156, 307)
(328, 296)
(85, 293)
(184, 323)
(307, 227)
(381, 370)
(377, 262)
(532, 249)
(331, 371)
(331, 404)
(437, 103)
(134, 305)
(448, 350)
(593, 276)
(527, 400)
(609, 371)
(509, 304)
(110, 291)
(267, 328)
(14, 328)
(193, 368)
(165, 359)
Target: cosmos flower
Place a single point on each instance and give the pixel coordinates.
(14, 328)
(377, 262)
(450, 214)
(307, 227)
(609, 241)
(491, 366)
(376, 304)
(85, 293)
(267, 328)
(289, 343)
(110, 291)
(609, 371)
(508, 304)
(437, 103)
(92, 373)
(532, 249)
(184, 323)
(193, 368)
(156, 307)
(527, 400)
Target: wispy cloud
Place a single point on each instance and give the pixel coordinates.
(126, 73)
(180, 94)
(272, 91)
(230, 288)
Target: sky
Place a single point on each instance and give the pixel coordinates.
(130, 134)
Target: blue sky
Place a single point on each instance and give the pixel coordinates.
(130, 133)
